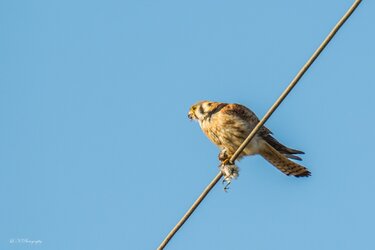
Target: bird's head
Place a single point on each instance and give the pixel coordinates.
(200, 110)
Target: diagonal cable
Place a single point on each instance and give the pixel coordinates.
(262, 121)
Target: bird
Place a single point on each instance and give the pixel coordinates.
(228, 124)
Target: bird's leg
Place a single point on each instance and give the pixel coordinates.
(223, 156)
(229, 170)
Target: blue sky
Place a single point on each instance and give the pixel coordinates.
(96, 151)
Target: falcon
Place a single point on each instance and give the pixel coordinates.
(228, 125)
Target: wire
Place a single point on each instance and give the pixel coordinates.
(262, 121)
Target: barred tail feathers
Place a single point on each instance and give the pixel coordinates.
(281, 162)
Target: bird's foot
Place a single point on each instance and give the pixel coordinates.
(230, 172)
(223, 155)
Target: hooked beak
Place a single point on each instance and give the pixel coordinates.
(191, 115)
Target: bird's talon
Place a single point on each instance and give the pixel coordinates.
(225, 162)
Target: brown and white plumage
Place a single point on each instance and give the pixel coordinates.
(228, 125)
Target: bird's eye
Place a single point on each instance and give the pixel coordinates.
(193, 108)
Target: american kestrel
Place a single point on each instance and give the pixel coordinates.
(228, 125)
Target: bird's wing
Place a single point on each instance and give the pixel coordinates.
(246, 115)
(251, 121)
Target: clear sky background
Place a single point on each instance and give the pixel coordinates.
(97, 152)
